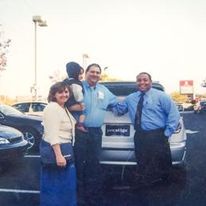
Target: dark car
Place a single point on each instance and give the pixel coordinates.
(203, 106)
(12, 145)
(30, 126)
(200, 107)
(180, 107)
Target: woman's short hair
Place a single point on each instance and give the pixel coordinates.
(57, 87)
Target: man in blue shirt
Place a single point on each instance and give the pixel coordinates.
(87, 145)
(155, 119)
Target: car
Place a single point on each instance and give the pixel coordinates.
(31, 107)
(196, 108)
(188, 106)
(13, 145)
(30, 126)
(200, 107)
(180, 107)
(118, 132)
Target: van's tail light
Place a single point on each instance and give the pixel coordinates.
(179, 127)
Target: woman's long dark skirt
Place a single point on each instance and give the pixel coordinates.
(58, 186)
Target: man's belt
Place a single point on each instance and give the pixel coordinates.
(151, 132)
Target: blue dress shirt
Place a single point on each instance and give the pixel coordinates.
(96, 100)
(159, 111)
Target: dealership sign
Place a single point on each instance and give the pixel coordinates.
(186, 86)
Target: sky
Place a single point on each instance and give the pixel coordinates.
(165, 38)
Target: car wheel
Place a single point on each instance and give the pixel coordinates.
(30, 136)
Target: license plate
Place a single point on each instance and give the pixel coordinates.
(117, 130)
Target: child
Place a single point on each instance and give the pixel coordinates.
(75, 75)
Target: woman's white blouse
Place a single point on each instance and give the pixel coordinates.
(58, 124)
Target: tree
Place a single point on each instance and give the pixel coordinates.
(106, 77)
(57, 76)
(177, 97)
(4, 44)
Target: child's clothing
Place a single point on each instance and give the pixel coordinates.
(77, 96)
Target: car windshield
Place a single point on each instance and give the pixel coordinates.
(8, 110)
(120, 90)
(203, 103)
(126, 88)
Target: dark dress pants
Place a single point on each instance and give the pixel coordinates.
(89, 176)
(153, 154)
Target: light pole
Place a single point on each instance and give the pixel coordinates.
(84, 60)
(37, 21)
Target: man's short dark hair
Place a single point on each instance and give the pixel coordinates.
(93, 65)
(150, 77)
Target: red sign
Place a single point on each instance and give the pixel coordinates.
(186, 83)
(186, 86)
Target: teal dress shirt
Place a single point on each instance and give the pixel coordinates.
(96, 99)
(159, 110)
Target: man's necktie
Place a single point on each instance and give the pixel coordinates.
(138, 115)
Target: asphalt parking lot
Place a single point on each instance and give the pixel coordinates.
(19, 184)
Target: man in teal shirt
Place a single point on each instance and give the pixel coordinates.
(88, 145)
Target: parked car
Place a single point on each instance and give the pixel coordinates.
(118, 132)
(31, 107)
(30, 126)
(188, 106)
(12, 145)
(200, 107)
(180, 107)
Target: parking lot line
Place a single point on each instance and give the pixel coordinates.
(32, 156)
(19, 191)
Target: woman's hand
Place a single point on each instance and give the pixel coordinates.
(61, 161)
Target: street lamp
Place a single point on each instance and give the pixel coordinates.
(37, 21)
(84, 60)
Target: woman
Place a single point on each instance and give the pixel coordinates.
(58, 182)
